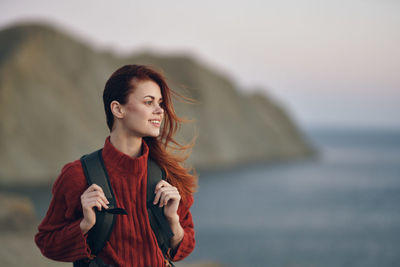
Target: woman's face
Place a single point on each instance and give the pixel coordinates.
(142, 113)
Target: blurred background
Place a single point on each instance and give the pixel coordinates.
(297, 118)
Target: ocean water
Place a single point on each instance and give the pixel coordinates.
(341, 208)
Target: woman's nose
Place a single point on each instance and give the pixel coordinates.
(159, 110)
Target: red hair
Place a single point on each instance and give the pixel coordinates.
(163, 148)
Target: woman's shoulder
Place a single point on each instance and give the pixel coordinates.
(72, 167)
(70, 177)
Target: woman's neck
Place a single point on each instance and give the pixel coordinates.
(129, 145)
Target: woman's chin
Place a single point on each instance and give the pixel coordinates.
(154, 134)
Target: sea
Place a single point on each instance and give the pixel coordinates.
(340, 207)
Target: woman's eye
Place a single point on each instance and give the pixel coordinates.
(148, 102)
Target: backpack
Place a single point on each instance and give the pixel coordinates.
(96, 173)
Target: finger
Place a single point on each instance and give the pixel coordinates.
(99, 204)
(103, 203)
(156, 198)
(92, 204)
(93, 187)
(95, 201)
(164, 199)
(161, 184)
(158, 195)
(173, 195)
(166, 195)
(159, 192)
(94, 196)
(97, 194)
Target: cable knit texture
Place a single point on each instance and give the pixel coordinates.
(132, 242)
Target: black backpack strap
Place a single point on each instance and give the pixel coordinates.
(158, 222)
(96, 173)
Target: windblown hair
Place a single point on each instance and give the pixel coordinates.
(163, 148)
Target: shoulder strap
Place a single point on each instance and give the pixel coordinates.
(96, 173)
(158, 222)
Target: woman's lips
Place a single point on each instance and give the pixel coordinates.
(155, 123)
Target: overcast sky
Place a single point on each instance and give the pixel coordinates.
(330, 63)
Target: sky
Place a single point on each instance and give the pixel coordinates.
(328, 63)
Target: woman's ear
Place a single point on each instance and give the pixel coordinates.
(117, 109)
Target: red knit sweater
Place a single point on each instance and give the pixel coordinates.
(132, 242)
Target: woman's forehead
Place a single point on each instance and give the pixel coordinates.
(146, 88)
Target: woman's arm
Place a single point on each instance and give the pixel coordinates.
(178, 231)
(179, 218)
(60, 236)
(187, 244)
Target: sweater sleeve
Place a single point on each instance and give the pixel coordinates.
(187, 244)
(59, 236)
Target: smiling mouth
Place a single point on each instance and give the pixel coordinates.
(156, 123)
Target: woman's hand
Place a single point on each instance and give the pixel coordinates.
(92, 197)
(167, 196)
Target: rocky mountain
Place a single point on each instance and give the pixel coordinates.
(51, 107)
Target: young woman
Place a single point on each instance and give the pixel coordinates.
(142, 122)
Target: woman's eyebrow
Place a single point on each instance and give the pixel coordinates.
(152, 97)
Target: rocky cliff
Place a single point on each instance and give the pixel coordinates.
(51, 107)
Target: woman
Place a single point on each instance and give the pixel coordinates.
(142, 123)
